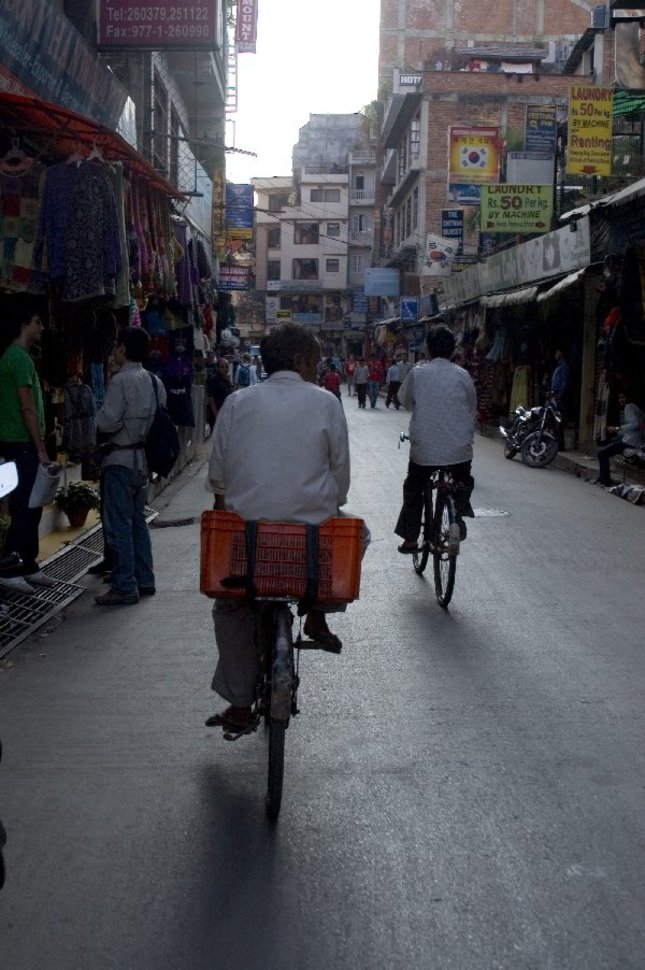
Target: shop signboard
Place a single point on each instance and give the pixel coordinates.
(239, 211)
(452, 223)
(43, 55)
(246, 28)
(234, 278)
(380, 281)
(530, 168)
(218, 227)
(162, 25)
(516, 208)
(541, 128)
(271, 308)
(473, 160)
(409, 309)
(589, 149)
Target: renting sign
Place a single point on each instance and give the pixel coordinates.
(590, 115)
(162, 25)
(246, 30)
(516, 208)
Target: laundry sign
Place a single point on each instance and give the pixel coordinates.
(590, 128)
(516, 208)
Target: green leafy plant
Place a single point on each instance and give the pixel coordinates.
(76, 496)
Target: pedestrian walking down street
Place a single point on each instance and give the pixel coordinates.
(349, 369)
(559, 387)
(331, 381)
(362, 376)
(393, 380)
(376, 377)
(127, 414)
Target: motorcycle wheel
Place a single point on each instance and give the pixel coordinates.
(509, 450)
(538, 450)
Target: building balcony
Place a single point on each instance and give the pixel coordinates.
(361, 237)
(362, 196)
(362, 158)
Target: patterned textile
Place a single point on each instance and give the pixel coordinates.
(93, 249)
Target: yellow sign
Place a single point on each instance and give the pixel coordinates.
(474, 155)
(590, 111)
(516, 208)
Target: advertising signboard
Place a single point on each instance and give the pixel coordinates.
(234, 277)
(516, 208)
(541, 128)
(239, 211)
(439, 255)
(530, 168)
(246, 28)
(409, 309)
(380, 281)
(162, 25)
(590, 128)
(474, 157)
(452, 223)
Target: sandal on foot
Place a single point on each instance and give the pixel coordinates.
(327, 640)
(408, 548)
(230, 720)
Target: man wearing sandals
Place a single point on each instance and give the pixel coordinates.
(281, 453)
(442, 398)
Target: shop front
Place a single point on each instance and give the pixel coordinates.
(92, 240)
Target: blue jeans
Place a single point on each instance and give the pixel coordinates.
(124, 499)
(373, 388)
(22, 536)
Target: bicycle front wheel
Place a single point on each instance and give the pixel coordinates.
(280, 708)
(445, 547)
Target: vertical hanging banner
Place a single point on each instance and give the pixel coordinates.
(590, 128)
(239, 211)
(246, 30)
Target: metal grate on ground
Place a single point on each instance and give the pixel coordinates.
(22, 615)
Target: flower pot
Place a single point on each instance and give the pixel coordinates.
(77, 517)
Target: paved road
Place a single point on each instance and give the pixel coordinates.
(463, 789)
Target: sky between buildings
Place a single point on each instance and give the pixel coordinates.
(311, 59)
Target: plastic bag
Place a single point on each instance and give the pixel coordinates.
(45, 485)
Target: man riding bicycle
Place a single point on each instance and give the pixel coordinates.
(281, 453)
(442, 398)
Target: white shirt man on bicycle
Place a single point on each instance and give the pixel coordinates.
(281, 453)
(443, 401)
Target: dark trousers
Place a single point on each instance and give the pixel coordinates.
(616, 447)
(392, 391)
(22, 536)
(361, 393)
(408, 525)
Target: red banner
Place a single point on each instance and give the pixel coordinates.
(246, 32)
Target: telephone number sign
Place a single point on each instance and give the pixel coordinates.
(164, 24)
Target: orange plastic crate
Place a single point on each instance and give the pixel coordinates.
(281, 557)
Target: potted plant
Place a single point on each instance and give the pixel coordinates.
(76, 499)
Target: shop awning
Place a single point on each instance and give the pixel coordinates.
(513, 298)
(62, 132)
(561, 285)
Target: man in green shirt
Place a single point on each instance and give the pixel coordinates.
(22, 426)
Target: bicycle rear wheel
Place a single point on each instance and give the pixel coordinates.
(445, 547)
(420, 558)
(280, 708)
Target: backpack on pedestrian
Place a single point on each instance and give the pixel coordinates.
(244, 375)
(162, 444)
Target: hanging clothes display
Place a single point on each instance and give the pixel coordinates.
(20, 201)
(79, 429)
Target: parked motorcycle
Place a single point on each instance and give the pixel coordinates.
(534, 433)
(8, 563)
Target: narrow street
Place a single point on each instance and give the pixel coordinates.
(463, 789)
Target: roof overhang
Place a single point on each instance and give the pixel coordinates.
(62, 132)
(401, 111)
